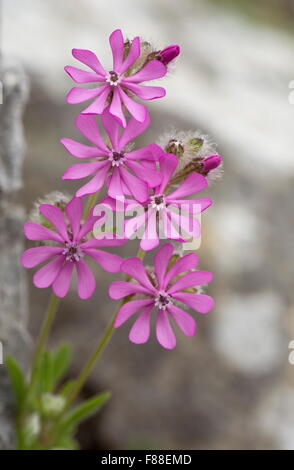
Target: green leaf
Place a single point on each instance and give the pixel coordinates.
(17, 380)
(61, 361)
(85, 410)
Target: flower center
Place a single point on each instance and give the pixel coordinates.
(72, 252)
(158, 202)
(116, 158)
(162, 300)
(113, 78)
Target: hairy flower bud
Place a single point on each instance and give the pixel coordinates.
(196, 153)
(210, 163)
(32, 426)
(52, 405)
(175, 146)
(168, 54)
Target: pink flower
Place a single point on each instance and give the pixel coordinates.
(68, 251)
(163, 293)
(115, 85)
(169, 211)
(125, 172)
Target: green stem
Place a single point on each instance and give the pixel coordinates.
(87, 369)
(44, 333)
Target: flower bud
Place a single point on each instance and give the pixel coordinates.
(32, 426)
(175, 146)
(210, 163)
(195, 144)
(168, 54)
(52, 405)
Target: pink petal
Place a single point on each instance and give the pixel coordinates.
(119, 289)
(192, 206)
(116, 41)
(74, 212)
(45, 276)
(150, 153)
(94, 184)
(108, 261)
(145, 92)
(137, 187)
(114, 188)
(80, 150)
(82, 76)
(34, 231)
(192, 184)
(111, 126)
(101, 242)
(185, 322)
(133, 55)
(183, 264)
(193, 279)
(200, 302)
(164, 332)
(188, 226)
(138, 111)
(34, 256)
(56, 217)
(78, 95)
(87, 125)
(129, 309)
(135, 268)
(150, 238)
(98, 105)
(170, 229)
(81, 170)
(152, 177)
(168, 165)
(86, 280)
(133, 129)
(133, 225)
(62, 282)
(90, 59)
(116, 108)
(154, 69)
(140, 330)
(161, 260)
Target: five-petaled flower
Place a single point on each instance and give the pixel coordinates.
(68, 249)
(163, 291)
(116, 85)
(166, 213)
(125, 172)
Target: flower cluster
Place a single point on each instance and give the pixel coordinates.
(159, 180)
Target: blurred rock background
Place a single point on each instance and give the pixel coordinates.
(230, 387)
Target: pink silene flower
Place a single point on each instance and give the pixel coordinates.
(163, 294)
(172, 210)
(69, 249)
(125, 172)
(115, 85)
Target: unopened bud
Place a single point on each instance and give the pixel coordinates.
(176, 147)
(195, 144)
(210, 163)
(52, 405)
(168, 54)
(32, 426)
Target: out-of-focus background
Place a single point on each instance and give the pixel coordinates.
(232, 386)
